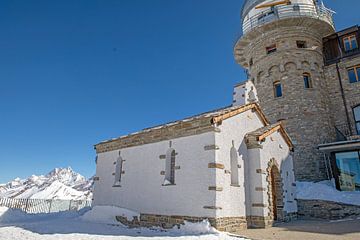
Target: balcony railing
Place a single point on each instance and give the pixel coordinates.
(343, 133)
(288, 11)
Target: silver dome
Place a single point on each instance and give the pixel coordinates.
(248, 5)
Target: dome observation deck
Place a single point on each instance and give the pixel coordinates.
(256, 13)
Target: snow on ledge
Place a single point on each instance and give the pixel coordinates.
(325, 191)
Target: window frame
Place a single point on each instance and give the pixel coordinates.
(119, 166)
(349, 39)
(336, 168)
(355, 69)
(271, 49)
(275, 84)
(170, 167)
(301, 42)
(357, 121)
(309, 81)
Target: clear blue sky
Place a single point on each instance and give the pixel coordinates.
(76, 72)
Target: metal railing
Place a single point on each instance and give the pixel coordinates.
(44, 206)
(288, 11)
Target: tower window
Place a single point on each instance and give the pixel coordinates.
(357, 118)
(278, 89)
(354, 74)
(301, 44)
(350, 43)
(271, 49)
(170, 167)
(307, 80)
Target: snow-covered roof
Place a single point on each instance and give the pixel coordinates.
(203, 120)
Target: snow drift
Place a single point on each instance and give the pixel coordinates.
(325, 191)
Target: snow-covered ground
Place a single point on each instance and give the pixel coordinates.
(60, 183)
(326, 191)
(94, 225)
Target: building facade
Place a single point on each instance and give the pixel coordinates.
(306, 77)
(229, 166)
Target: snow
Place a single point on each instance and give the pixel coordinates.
(326, 191)
(60, 183)
(106, 214)
(15, 224)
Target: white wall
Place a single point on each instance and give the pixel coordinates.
(244, 93)
(141, 187)
(278, 149)
(232, 199)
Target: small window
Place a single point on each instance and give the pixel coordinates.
(307, 80)
(296, 7)
(277, 90)
(271, 49)
(357, 118)
(251, 62)
(118, 170)
(350, 43)
(301, 44)
(170, 168)
(354, 74)
(234, 166)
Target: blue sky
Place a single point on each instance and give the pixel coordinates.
(76, 72)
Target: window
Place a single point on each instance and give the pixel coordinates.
(357, 118)
(348, 164)
(271, 49)
(307, 80)
(354, 74)
(251, 62)
(234, 168)
(118, 170)
(350, 43)
(170, 167)
(301, 44)
(277, 89)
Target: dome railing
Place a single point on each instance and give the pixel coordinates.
(288, 11)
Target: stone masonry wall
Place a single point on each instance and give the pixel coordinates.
(326, 210)
(227, 224)
(351, 91)
(304, 112)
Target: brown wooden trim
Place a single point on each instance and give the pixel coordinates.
(254, 106)
(216, 165)
(215, 188)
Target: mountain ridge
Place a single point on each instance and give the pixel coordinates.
(59, 183)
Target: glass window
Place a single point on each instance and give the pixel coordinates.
(271, 49)
(307, 80)
(170, 167)
(350, 43)
(348, 164)
(354, 74)
(357, 118)
(278, 89)
(118, 170)
(301, 44)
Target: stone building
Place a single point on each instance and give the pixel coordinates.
(307, 77)
(230, 166)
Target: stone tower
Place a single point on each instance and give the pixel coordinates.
(281, 49)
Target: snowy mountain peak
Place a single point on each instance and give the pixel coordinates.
(60, 183)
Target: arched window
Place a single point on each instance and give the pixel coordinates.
(118, 170)
(357, 118)
(307, 80)
(277, 89)
(170, 167)
(234, 167)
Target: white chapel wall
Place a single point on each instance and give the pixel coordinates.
(141, 186)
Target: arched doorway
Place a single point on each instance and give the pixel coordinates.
(275, 191)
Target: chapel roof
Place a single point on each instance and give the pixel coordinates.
(193, 125)
(262, 133)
